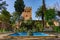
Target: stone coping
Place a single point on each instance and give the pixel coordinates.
(22, 37)
(29, 37)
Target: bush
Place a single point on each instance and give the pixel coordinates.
(50, 23)
(34, 29)
(2, 30)
(30, 33)
(56, 29)
(22, 29)
(39, 26)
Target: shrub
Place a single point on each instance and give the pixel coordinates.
(56, 29)
(30, 33)
(39, 26)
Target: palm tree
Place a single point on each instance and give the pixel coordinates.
(44, 6)
(43, 11)
(59, 13)
(5, 18)
(59, 19)
(3, 5)
(38, 12)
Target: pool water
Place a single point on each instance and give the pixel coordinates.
(25, 34)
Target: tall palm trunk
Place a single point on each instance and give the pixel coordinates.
(59, 19)
(43, 11)
(44, 6)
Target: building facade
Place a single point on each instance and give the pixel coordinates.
(27, 13)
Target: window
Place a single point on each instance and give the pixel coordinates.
(26, 15)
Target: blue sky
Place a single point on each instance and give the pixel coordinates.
(35, 4)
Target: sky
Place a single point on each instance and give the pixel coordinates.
(34, 4)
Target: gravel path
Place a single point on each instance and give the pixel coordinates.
(2, 35)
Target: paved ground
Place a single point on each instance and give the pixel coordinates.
(2, 35)
(33, 39)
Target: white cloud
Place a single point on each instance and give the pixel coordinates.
(0, 13)
(57, 17)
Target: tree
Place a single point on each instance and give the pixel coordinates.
(43, 11)
(5, 18)
(19, 7)
(58, 13)
(6, 14)
(14, 17)
(50, 14)
(59, 16)
(44, 6)
(39, 12)
(3, 5)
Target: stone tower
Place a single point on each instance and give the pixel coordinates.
(27, 14)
